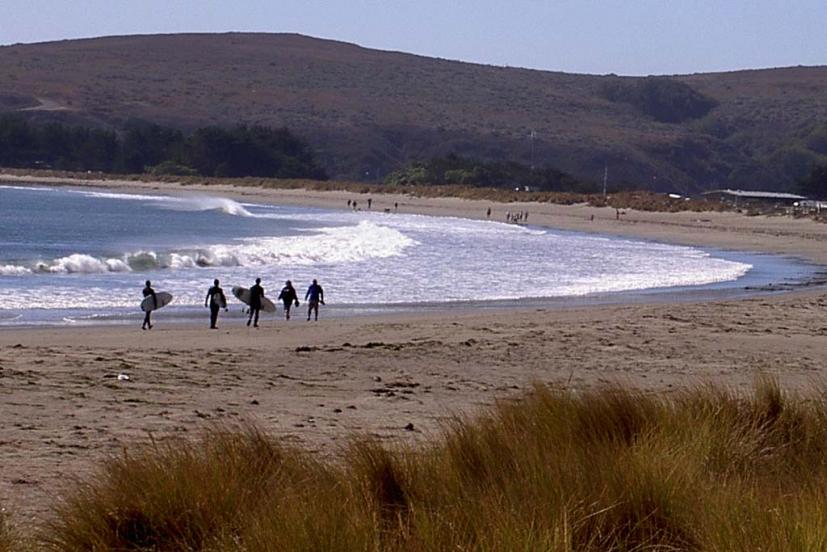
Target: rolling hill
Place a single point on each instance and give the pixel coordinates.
(369, 112)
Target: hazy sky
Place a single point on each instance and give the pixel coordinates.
(632, 37)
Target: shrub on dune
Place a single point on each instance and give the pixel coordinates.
(7, 541)
(610, 469)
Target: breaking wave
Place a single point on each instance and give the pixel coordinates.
(205, 203)
(336, 245)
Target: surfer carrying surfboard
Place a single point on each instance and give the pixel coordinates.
(217, 301)
(256, 295)
(148, 291)
(315, 294)
(288, 297)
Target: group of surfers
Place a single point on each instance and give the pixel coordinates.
(216, 300)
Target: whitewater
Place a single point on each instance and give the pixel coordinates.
(74, 255)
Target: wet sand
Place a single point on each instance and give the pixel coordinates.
(317, 384)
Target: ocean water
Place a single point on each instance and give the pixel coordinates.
(73, 256)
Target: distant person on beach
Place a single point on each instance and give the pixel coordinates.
(147, 325)
(395, 205)
(488, 213)
(289, 298)
(314, 296)
(348, 204)
(217, 299)
(370, 202)
(256, 293)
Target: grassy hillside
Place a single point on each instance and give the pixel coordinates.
(369, 112)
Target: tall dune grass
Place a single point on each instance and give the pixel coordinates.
(7, 540)
(609, 469)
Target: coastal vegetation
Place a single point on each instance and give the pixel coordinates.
(455, 169)
(815, 184)
(143, 147)
(7, 540)
(558, 469)
(661, 98)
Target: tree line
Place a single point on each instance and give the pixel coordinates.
(455, 169)
(814, 185)
(144, 147)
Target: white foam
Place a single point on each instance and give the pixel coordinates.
(14, 270)
(81, 263)
(336, 245)
(206, 203)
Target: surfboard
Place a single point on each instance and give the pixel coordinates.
(243, 295)
(220, 300)
(162, 299)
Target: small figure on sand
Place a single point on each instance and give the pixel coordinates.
(256, 294)
(314, 296)
(217, 301)
(289, 298)
(348, 204)
(370, 202)
(488, 213)
(148, 291)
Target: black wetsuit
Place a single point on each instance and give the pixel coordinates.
(147, 292)
(288, 297)
(213, 294)
(256, 293)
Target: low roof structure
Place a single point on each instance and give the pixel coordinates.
(756, 195)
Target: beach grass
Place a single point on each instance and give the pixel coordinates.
(7, 540)
(607, 469)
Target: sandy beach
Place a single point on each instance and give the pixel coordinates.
(394, 376)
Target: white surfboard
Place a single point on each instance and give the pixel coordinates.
(243, 295)
(162, 299)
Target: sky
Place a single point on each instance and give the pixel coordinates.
(632, 37)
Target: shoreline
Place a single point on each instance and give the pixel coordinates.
(781, 235)
(801, 273)
(316, 384)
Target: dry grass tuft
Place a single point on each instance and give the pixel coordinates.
(8, 542)
(610, 469)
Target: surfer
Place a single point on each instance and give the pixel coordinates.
(147, 292)
(315, 295)
(288, 297)
(256, 293)
(217, 301)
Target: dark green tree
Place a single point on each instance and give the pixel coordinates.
(814, 185)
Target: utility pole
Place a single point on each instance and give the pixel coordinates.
(533, 135)
(605, 178)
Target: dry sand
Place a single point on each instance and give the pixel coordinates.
(63, 407)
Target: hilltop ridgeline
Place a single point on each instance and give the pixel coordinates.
(368, 113)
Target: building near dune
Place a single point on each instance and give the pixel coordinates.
(749, 198)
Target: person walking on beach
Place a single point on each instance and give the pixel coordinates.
(148, 291)
(314, 296)
(288, 297)
(217, 301)
(256, 293)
